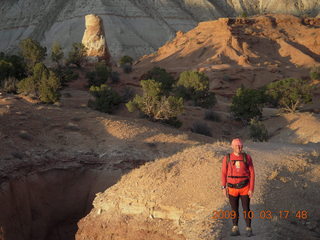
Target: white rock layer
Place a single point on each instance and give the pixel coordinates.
(132, 27)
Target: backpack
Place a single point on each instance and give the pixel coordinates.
(244, 157)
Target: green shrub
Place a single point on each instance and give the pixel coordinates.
(6, 69)
(244, 15)
(212, 116)
(12, 66)
(182, 92)
(28, 86)
(315, 73)
(247, 103)
(127, 68)
(126, 63)
(102, 70)
(77, 55)
(126, 60)
(127, 94)
(158, 109)
(66, 75)
(195, 85)
(160, 75)
(100, 76)
(91, 76)
(154, 104)
(56, 54)
(201, 128)
(32, 52)
(106, 99)
(115, 77)
(258, 131)
(193, 80)
(43, 84)
(289, 93)
(10, 85)
(174, 122)
(152, 88)
(204, 99)
(49, 87)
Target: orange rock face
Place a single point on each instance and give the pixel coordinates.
(94, 38)
(252, 51)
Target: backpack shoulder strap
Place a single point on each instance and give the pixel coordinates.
(228, 158)
(245, 158)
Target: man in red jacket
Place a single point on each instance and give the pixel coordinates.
(237, 181)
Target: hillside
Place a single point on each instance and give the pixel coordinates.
(249, 51)
(128, 23)
(68, 172)
(151, 181)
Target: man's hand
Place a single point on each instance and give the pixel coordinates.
(250, 193)
(225, 192)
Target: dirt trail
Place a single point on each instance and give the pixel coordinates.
(262, 228)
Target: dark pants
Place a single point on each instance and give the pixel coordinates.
(234, 202)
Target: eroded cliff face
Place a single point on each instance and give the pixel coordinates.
(47, 203)
(133, 27)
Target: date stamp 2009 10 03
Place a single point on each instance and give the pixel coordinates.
(263, 214)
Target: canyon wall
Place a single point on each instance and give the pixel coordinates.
(132, 27)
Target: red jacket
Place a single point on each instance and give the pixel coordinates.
(237, 169)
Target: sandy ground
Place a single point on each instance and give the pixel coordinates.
(171, 160)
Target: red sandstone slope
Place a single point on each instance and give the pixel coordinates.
(254, 50)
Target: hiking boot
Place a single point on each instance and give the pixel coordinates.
(235, 231)
(249, 231)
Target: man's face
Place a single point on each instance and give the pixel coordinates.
(237, 148)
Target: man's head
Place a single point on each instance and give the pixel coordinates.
(237, 146)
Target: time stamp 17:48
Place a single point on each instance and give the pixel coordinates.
(263, 214)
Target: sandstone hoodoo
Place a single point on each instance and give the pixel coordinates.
(94, 38)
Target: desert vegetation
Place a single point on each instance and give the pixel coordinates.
(100, 75)
(162, 76)
(201, 128)
(155, 105)
(77, 55)
(193, 85)
(126, 63)
(12, 70)
(105, 98)
(315, 73)
(164, 96)
(212, 116)
(289, 94)
(258, 131)
(27, 74)
(247, 104)
(32, 52)
(57, 54)
(41, 82)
